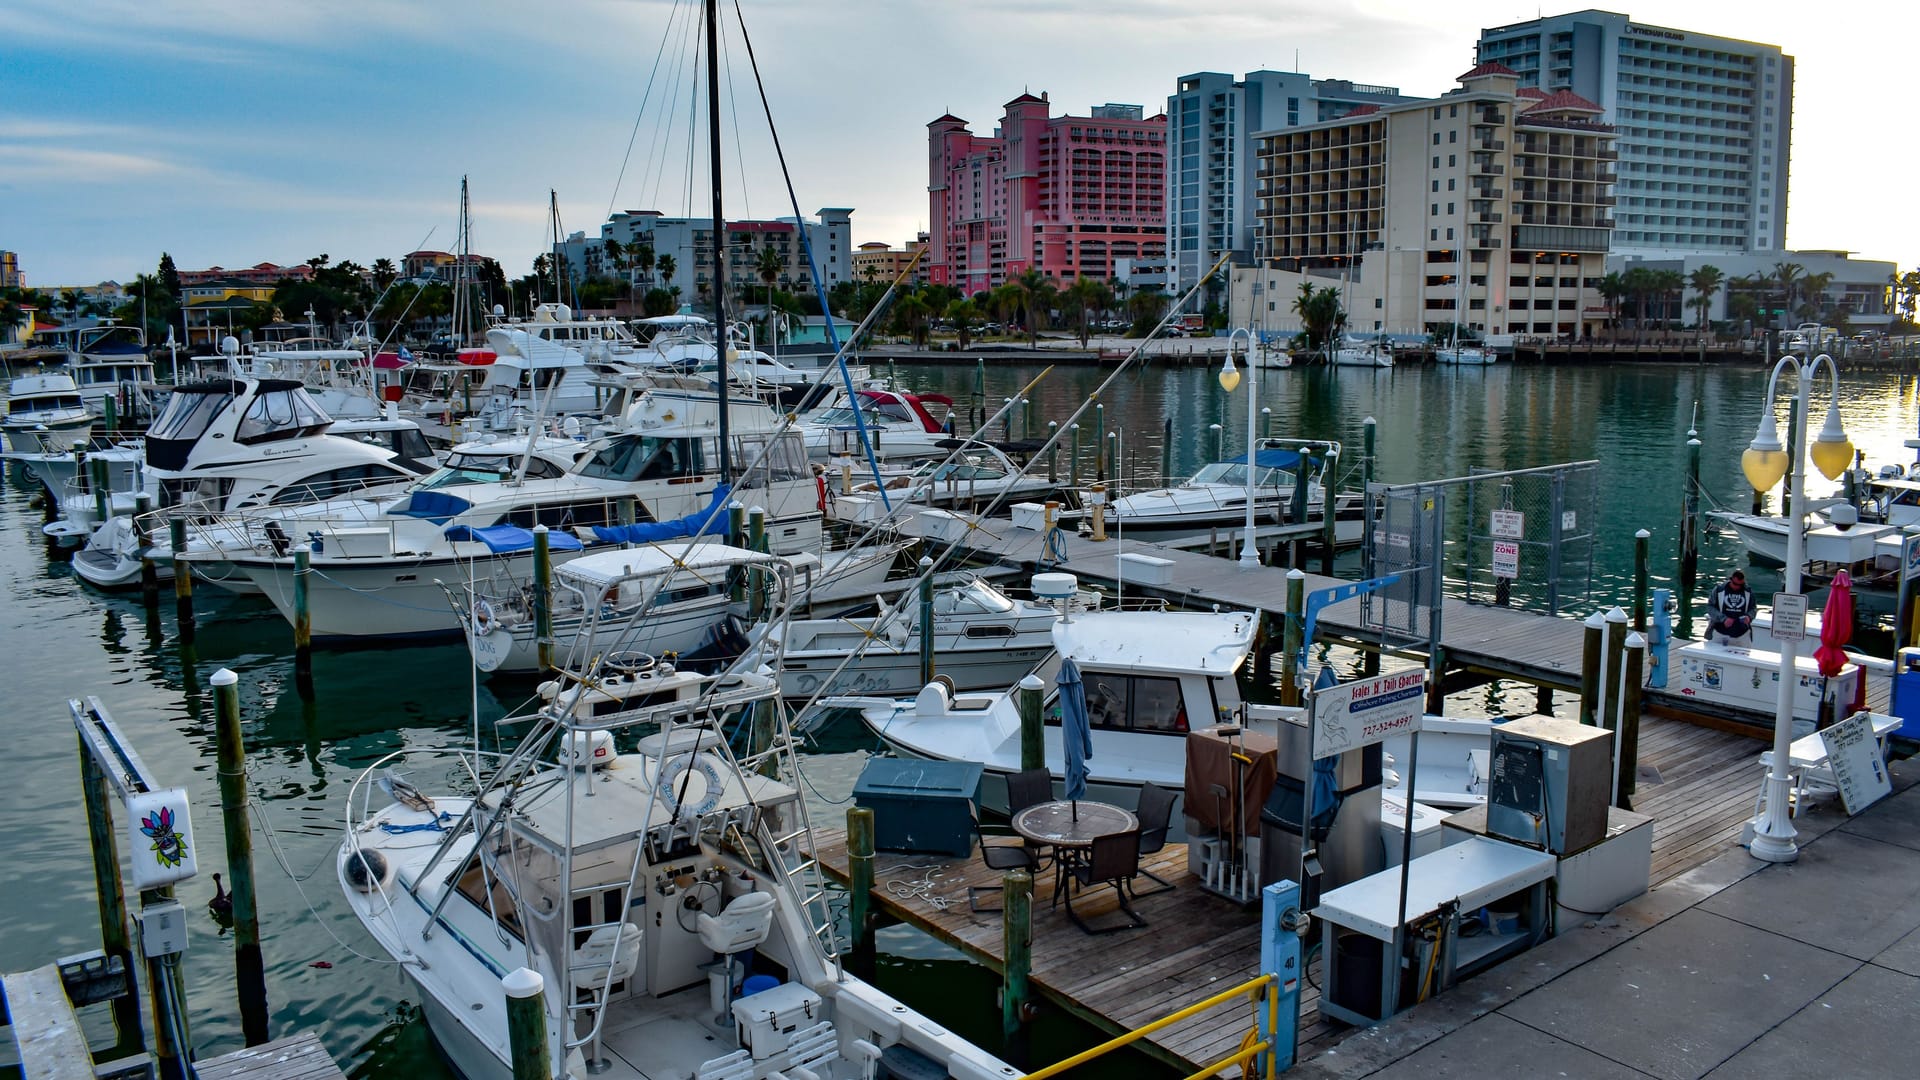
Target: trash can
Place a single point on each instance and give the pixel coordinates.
(920, 806)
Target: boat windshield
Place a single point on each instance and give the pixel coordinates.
(969, 467)
(1235, 473)
(188, 413)
(643, 457)
(843, 416)
(486, 469)
(973, 598)
(281, 414)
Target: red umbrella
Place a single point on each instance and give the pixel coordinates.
(1836, 626)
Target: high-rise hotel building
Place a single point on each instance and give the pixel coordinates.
(1704, 125)
(1489, 206)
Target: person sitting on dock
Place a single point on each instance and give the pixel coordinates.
(1730, 612)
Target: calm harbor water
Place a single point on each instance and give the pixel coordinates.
(64, 641)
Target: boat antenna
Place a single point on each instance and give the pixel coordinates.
(720, 337)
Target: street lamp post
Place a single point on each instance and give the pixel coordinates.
(1229, 379)
(1765, 462)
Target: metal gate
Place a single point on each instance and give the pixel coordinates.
(1519, 537)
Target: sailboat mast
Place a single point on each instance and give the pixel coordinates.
(720, 335)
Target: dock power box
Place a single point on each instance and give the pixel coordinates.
(1550, 783)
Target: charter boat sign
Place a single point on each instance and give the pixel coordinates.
(1356, 714)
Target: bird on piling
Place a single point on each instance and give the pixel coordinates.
(220, 906)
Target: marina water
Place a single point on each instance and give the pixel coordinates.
(60, 641)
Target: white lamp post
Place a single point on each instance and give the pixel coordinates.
(1229, 379)
(1765, 463)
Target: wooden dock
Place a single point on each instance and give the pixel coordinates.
(1697, 783)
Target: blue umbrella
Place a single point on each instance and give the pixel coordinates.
(1076, 730)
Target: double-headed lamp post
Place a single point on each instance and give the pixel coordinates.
(1229, 379)
(1765, 462)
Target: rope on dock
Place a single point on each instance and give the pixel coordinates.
(921, 889)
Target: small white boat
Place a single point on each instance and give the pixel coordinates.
(898, 424)
(1463, 355)
(1216, 496)
(982, 638)
(1377, 353)
(45, 415)
(106, 360)
(962, 472)
(1150, 678)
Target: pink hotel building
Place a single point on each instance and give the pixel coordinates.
(1063, 195)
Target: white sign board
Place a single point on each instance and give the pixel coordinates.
(1356, 714)
(1568, 520)
(160, 840)
(1508, 524)
(1790, 616)
(1854, 755)
(1506, 559)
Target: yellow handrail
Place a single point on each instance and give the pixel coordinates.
(1249, 987)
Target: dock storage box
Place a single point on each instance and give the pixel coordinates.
(1750, 679)
(920, 806)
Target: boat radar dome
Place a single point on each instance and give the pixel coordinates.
(499, 312)
(230, 345)
(1844, 517)
(1054, 587)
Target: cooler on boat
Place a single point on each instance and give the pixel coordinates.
(920, 806)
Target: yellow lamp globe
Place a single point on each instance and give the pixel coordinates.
(1765, 460)
(1229, 376)
(1831, 451)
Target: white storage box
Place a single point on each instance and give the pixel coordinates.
(1750, 679)
(768, 1020)
(1608, 874)
(862, 509)
(1032, 516)
(943, 524)
(1393, 822)
(1146, 569)
(361, 543)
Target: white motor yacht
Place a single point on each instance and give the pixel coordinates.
(1150, 678)
(897, 424)
(45, 415)
(1216, 496)
(961, 472)
(642, 876)
(106, 360)
(546, 365)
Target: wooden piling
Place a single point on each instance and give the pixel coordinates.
(1640, 580)
(116, 937)
(102, 491)
(1053, 451)
(860, 876)
(1290, 637)
(249, 970)
(1592, 647)
(527, 1024)
(143, 535)
(1166, 452)
(736, 534)
(1100, 432)
(543, 597)
(1033, 747)
(925, 567)
(1329, 518)
(302, 622)
(1690, 536)
(1436, 683)
(757, 540)
(182, 579)
(109, 414)
(1073, 458)
(1629, 739)
(1016, 936)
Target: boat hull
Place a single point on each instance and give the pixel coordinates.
(52, 437)
(888, 671)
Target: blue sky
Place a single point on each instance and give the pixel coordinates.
(232, 133)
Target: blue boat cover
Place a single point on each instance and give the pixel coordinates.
(435, 506)
(1272, 459)
(648, 532)
(504, 538)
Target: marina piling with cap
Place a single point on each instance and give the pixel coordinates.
(182, 579)
(143, 535)
(543, 597)
(1016, 921)
(527, 1024)
(303, 619)
(249, 971)
(860, 839)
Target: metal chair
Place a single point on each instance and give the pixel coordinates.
(1114, 860)
(1001, 857)
(1155, 812)
(1029, 787)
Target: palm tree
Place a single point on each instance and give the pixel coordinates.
(1786, 275)
(1670, 286)
(384, 274)
(1909, 294)
(1637, 284)
(12, 318)
(1004, 302)
(643, 259)
(1321, 318)
(1613, 290)
(1814, 288)
(768, 266)
(962, 313)
(1085, 296)
(1036, 301)
(1705, 282)
(667, 266)
(912, 316)
(70, 300)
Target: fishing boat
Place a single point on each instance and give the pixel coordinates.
(897, 423)
(982, 639)
(106, 361)
(1216, 496)
(656, 883)
(962, 472)
(1149, 678)
(45, 415)
(546, 366)
(685, 588)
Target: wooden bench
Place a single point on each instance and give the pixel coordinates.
(52, 1044)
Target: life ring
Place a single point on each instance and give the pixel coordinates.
(668, 783)
(484, 620)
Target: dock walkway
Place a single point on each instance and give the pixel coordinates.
(1698, 784)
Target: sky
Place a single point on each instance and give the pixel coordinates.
(232, 132)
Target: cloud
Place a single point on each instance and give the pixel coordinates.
(22, 163)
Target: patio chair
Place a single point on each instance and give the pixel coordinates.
(1031, 787)
(1155, 813)
(1114, 860)
(1001, 857)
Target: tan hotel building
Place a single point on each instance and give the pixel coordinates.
(1512, 187)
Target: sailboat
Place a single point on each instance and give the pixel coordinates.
(1453, 352)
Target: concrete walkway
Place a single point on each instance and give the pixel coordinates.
(1734, 969)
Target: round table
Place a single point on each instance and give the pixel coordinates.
(1072, 825)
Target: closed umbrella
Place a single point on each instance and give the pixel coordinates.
(1076, 730)
(1836, 629)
